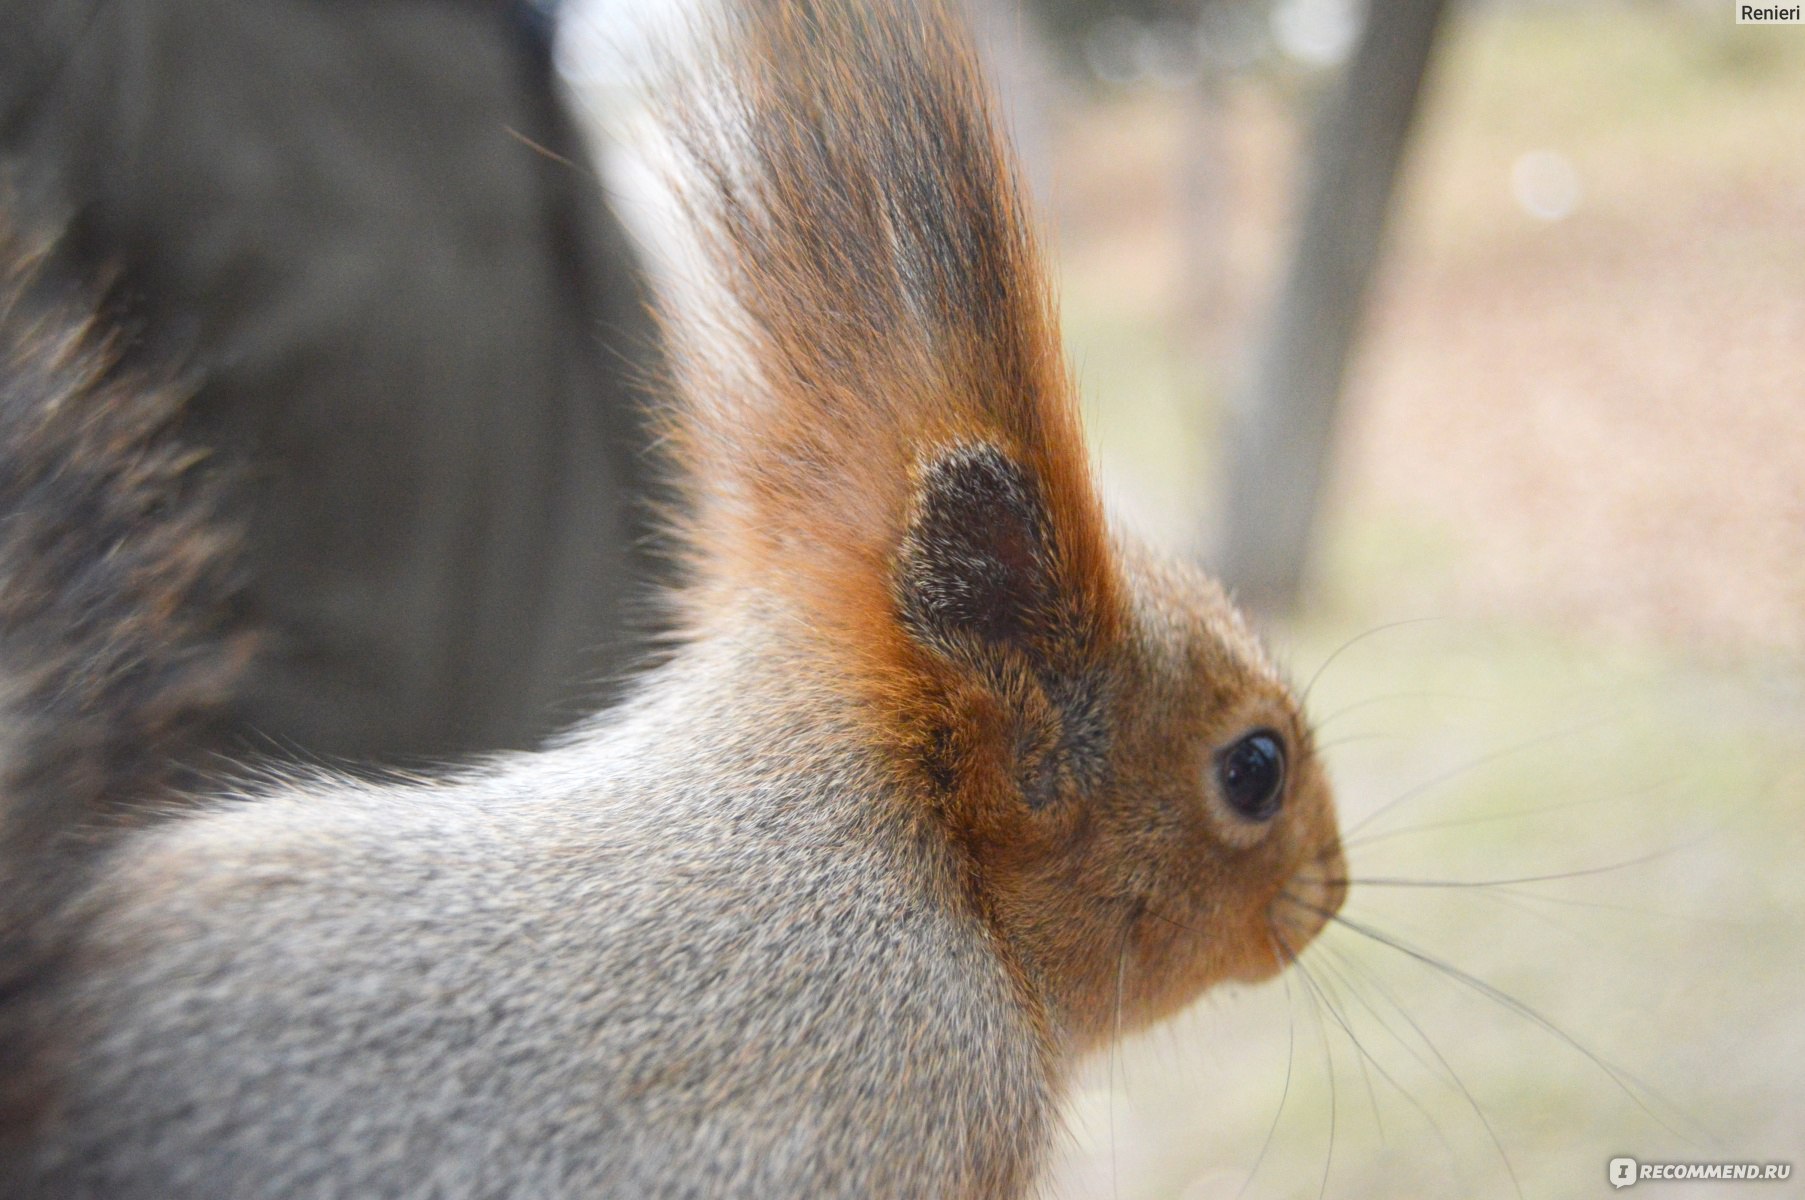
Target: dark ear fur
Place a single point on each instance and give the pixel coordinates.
(974, 565)
(979, 585)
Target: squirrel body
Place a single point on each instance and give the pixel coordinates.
(476, 987)
(943, 785)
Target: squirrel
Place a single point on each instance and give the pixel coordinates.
(943, 784)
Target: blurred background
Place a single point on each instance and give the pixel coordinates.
(1553, 577)
(1464, 339)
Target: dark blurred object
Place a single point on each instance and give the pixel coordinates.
(372, 232)
(1285, 420)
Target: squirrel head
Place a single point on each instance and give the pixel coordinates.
(884, 457)
(1134, 784)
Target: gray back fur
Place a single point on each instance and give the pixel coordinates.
(645, 964)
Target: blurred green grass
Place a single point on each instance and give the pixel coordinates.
(1666, 770)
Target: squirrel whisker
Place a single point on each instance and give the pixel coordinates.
(1639, 1092)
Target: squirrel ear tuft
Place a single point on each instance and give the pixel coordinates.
(975, 561)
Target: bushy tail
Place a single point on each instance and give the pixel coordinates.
(117, 640)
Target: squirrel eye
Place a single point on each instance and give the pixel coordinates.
(1251, 773)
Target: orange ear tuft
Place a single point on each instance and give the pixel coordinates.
(876, 309)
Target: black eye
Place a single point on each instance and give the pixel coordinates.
(1251, 773)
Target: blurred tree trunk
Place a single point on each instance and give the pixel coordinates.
(1285, 419)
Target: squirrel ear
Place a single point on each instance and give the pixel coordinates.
(975, 561)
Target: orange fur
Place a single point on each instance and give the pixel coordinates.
(881, 302)
(876, 301)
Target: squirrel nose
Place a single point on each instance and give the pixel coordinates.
(1310, 898)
